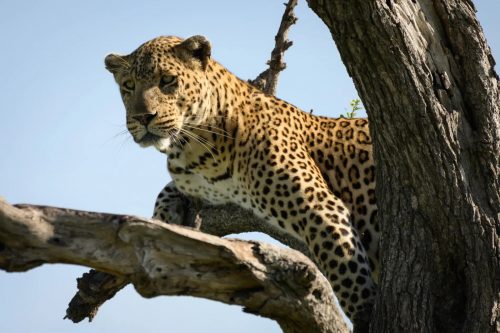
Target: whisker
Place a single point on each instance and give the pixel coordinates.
(210, 126)
(174, 136)
(200, 138)
(209, 131)
(197, 138)
(124, 132)
(198, 118)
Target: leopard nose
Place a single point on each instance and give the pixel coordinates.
(144, 118)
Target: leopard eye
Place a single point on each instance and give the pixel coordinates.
(167, 81)
(128, 85)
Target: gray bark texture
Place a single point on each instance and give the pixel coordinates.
(426, 77)
(95, 287)
(161, 259)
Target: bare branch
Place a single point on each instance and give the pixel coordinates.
(161, 259)
(267, 81)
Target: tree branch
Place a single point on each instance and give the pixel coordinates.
(95, 288)
(161, 259)
(267, 81)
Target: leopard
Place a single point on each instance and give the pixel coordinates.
(227, 141)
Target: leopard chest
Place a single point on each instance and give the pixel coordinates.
(214, 184)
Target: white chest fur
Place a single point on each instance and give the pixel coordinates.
(197, 186)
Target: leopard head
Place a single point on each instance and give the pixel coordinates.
(164, 88)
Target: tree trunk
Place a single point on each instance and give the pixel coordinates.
(426, 76)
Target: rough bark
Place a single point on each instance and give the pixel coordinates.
(426, 77)
(161, 259)
(95, 288)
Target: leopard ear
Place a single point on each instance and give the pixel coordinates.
(115, 63)
(195, 47)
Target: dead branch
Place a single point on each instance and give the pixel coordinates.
(161, 259)
(267, 81)
(95, 288)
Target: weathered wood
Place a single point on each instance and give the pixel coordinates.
(95, 288)
(161, 259)
(426, 76)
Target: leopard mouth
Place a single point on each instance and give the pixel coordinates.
(162, 143)
(148, 139)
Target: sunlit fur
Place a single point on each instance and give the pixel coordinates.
(228, 142)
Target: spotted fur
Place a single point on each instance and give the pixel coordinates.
(227, 141)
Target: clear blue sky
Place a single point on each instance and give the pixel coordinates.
(62, 115)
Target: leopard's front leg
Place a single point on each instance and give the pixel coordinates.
(292, 194)
(170, 205)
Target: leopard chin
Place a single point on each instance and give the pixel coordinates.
(163, 145)
(149, 139)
